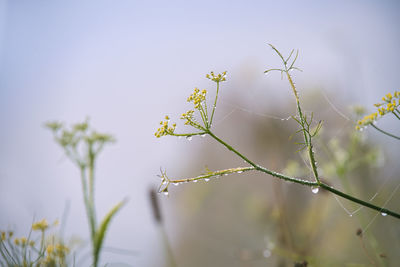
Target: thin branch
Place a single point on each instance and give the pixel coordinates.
(384, 132)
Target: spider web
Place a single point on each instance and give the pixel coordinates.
(235, 108)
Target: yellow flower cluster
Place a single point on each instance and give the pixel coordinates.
(56, 251)
(188, 116)
(217, 78)
(40, 226)
(390, 104)
(197, 97)
(165, 129)
(21, 241)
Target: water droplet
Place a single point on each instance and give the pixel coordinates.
(207, 179)
(351, 215)
(179, 137)
(315, 189)
(383, 214)
(203, 135)
(267, 253)
(189, 137)
(239, 172)
(195, 181)
(166, 193)
(225, 174)
(176, 184)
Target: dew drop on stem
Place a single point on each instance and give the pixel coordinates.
(166, 193)
(315, 189)
(189, 137)
(266, 253)
(383, 214)
(203, 135)
(195, 181)
(207, 179)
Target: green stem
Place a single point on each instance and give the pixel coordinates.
(203, 116)
(359, 201)
(232, 149)
(92, 209)
(396, 114)
(305, 182)
(262, 169)
(307, 136)
(88, 206)
(215, 104)
(384, 132)
(189, 134)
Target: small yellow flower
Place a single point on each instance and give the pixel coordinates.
(50, 249)
(389, 106)
(41, 225)
(61, 250)
(3, 236)
(16, 241)
(216, 78)
(165, 129)
(23, 241)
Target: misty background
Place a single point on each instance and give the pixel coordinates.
(125, 64)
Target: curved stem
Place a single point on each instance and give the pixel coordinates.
(215, 104)
(359, 201)
(306, 182)
(384, 132)
(396, 114)
(306, 134)
(231, 149)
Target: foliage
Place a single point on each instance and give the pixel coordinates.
(83, 145)
(33, 250)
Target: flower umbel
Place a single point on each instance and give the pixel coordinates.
(165, 129)
(199, 100)
(217, 78)
(390, 105)
(40, 225)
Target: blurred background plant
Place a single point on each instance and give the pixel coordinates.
(37, 249)
(82, 145)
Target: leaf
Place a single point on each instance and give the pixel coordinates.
(101, 231)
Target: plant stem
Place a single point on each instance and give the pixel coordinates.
(305, 182)
(215, 104)
(89, 204)
(359, 201)
(384, 132)
(396, 114)
(306, 134)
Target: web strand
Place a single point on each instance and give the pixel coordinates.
(333, 106)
